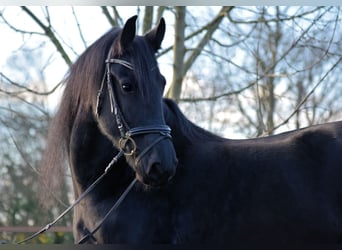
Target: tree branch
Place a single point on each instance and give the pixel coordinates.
(274, 20)
(50, 34)
(215, 98)
(211, 28)
(115, 21)
(79, 27)
(304, 100)
(26, 89)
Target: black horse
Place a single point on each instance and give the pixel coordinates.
(284, 189)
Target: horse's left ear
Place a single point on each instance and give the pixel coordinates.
(127, 34)
(156, 35)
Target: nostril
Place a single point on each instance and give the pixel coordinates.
(157, 174)
(154, 170)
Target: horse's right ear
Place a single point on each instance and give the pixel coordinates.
(127, 35)
(156, 36)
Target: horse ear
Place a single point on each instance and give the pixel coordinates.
(156, 35)
(127, 34)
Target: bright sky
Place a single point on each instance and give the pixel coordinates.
(93, 25)
(62, 20)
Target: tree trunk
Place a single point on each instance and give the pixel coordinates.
(178, 54)
(148, 17)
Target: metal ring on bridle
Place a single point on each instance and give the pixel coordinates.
(127, 149)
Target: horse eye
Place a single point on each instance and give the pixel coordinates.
(127, 87)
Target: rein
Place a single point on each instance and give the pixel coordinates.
(115, 206)
(81, 197)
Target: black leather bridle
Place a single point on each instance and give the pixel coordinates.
(127, 146)
(126, 142)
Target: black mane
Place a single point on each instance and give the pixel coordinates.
(81, 85)
(192, 132)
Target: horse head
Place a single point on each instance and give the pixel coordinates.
(129, 105)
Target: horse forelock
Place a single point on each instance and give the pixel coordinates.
(145, 64)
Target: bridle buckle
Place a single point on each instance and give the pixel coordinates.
(127, 145)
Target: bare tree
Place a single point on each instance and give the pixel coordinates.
(258, 55)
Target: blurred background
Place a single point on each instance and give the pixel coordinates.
(240, 72)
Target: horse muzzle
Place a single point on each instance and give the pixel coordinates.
(157, 166)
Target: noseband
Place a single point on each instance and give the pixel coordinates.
(126, 142)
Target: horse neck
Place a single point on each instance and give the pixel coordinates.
(172, 119)
(90, 153)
